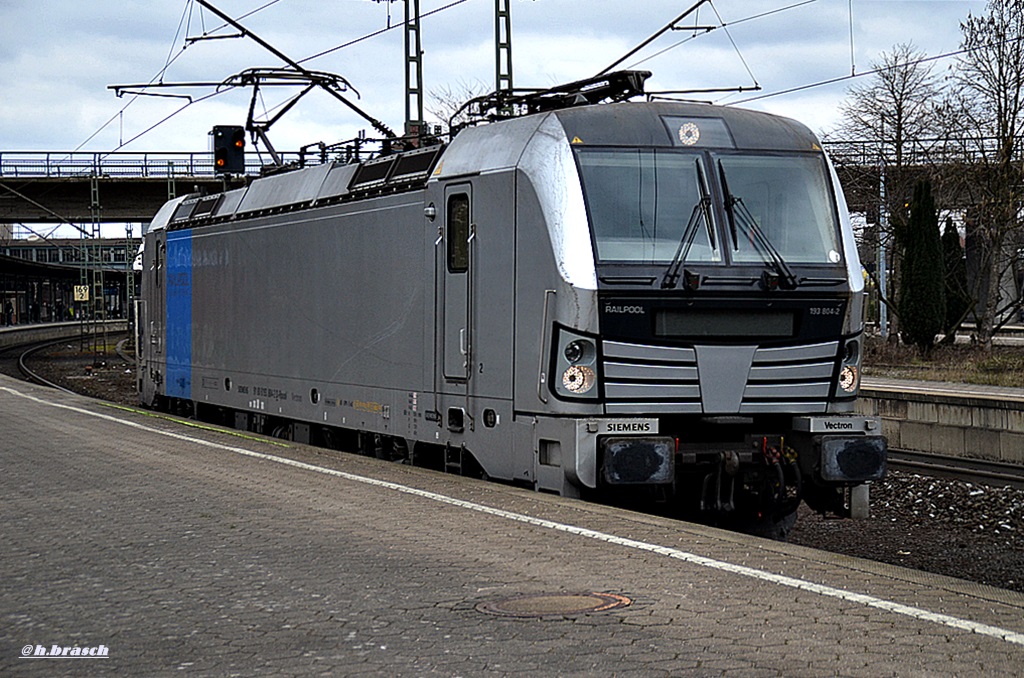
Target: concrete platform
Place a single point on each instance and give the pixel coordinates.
(169, 549)
(959, 420)
(19, 334)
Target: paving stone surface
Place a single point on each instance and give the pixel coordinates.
(180, 555)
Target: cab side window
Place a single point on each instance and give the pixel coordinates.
(458, 233)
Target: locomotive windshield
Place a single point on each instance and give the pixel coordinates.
(782, 203)
(777, 207)
(641, 201)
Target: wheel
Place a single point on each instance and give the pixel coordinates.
(770, 527)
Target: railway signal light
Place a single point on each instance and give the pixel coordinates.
(228, 149)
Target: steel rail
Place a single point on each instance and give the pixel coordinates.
(979, 471)
(33, 376)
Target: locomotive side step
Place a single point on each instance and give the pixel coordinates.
(453, 459)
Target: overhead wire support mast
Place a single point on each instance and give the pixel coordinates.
(97, 303)
(414, 124)
(502, 46)
(377, 124)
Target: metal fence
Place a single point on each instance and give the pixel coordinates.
(927, 151)
(158, 165)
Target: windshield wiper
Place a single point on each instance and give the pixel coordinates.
(728, 206)
(701, 209)
(771, 255)
(737, 211)
(672, 272)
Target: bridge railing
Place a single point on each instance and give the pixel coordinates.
(924, 151)
(156, 165)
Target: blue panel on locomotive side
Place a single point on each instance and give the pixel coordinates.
(179, 314)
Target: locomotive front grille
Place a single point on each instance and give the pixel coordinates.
(644, 379)
(790, 378)
(650, 379)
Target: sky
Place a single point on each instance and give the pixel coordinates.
(59, 57)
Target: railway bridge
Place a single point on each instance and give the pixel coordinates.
(87, 187)
(956, 168)
(119, 187)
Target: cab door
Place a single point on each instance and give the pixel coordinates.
(457, 274)
(150, 316)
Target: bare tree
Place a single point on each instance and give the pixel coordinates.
(446, 101)
(990, 75)
(892, 119)
(894, 110)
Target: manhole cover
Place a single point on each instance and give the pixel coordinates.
(554, 604)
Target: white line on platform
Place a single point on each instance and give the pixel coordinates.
(754, 573)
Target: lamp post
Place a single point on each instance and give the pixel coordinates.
(883, 266)
(129, 279)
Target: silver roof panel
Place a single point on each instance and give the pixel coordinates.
(289, 188)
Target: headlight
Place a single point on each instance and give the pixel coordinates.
(579, 379)
(849, 379)
(849, 373)
(580, 351)
(575, 361)
(573, 352)
(852, 355)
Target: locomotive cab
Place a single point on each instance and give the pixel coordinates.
(722, 354)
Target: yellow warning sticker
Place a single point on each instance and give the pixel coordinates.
(577, 140)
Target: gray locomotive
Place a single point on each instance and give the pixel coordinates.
(646, 300)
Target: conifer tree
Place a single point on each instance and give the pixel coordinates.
(922, 298)
(958, 299)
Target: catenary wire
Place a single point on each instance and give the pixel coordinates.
(734, 45)
(376, 33)
(186, 12)
(731, 23)
(170, 61)
(873, 71)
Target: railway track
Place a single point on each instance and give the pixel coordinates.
(12, 357)
(977, 471)
(32, 376)
(16, 358)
